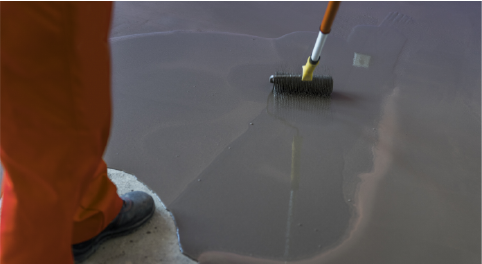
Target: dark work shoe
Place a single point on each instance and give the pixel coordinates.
(137, 209)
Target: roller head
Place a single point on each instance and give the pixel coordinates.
(283, 83)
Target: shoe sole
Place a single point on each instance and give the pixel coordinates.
(112, 234)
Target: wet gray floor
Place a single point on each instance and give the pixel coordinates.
(386, 170)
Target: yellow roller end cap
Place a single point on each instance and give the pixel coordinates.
(308, 70)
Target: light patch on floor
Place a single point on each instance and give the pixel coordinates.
(361, 60)
(155, 242)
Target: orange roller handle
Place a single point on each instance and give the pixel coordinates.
(330, 14)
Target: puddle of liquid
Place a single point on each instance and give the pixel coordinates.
(245, 199)
(309, 180)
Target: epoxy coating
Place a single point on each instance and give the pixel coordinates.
(385, 171)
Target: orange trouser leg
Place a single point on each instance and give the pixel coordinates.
(55, 115)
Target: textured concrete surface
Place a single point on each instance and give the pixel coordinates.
(155, 242)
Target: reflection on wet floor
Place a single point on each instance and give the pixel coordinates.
(253, 175)
(272, 186)
(281, 106)
(361, 60)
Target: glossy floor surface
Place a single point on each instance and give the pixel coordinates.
(386, 170)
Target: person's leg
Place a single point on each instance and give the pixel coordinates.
(55, 120)
(99, 205)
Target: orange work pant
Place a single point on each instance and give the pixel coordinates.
(55, 115)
